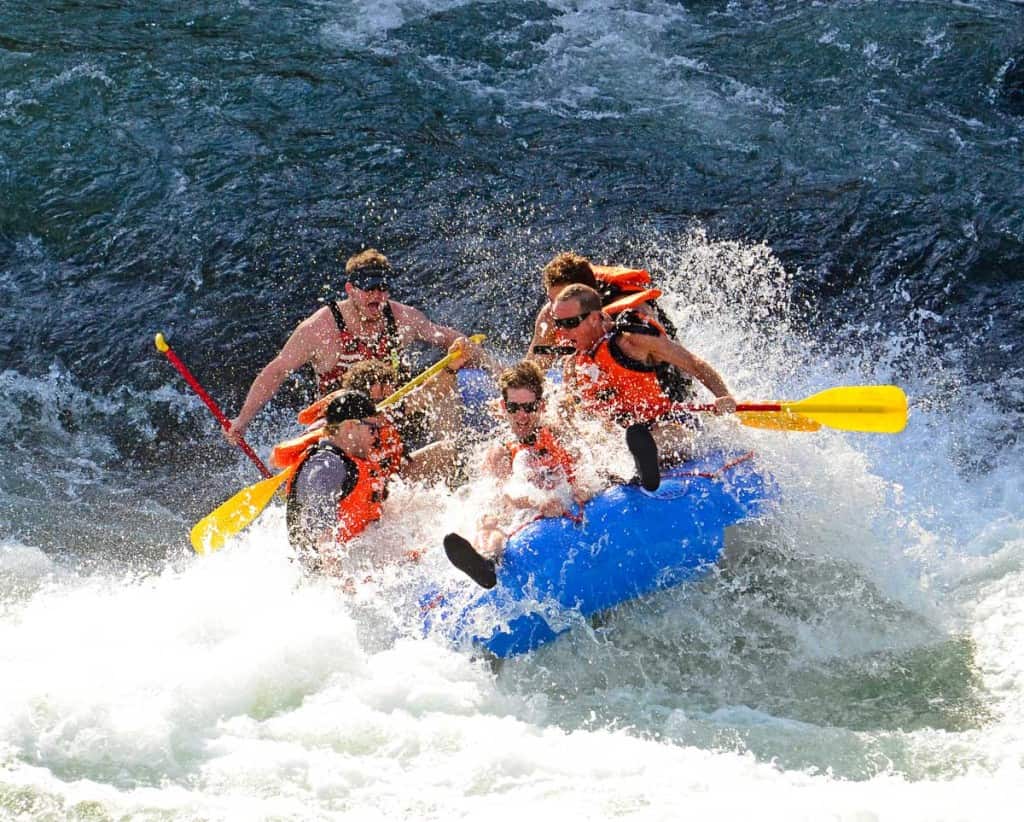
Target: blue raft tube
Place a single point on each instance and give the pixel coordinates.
(630, 543)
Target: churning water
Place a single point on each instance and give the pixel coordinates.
(829, 192)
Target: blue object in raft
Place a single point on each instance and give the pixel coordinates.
(631, 543)
(476, 387)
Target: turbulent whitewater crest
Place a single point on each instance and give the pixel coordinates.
(828, 193)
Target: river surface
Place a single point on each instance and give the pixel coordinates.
(830, 194)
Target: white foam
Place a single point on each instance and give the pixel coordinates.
(229, 687)
(22, 569)
(368, 24)
(594, 61)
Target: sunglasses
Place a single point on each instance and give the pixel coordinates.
(571, 322)
(529, 407)
(371, 278)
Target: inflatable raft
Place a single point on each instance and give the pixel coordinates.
(630, 543)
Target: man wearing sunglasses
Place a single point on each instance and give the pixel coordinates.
(338, 485)
(624, 291)
(536, 472)
(336, 488)
(620, 289)
(614, 374)
(365, 325)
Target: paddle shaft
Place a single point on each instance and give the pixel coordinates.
(786, 406)
(743, 406)
(182, 369)
(436, 368)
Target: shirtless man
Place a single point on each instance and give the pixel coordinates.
(366, 325)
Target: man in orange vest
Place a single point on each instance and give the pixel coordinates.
(620, 289)
(549, 486)
(625, 292)
(614, 375)
(335, 490)
(339, 484)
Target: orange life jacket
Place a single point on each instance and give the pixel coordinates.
(631, 301)
(621, 279)
(624, 291)
(360, 504)
(546, 449)
(286, 454)
(614, 384)
(363, 502)
(623, 288)
(389, 449)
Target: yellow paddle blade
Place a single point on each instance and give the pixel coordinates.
(315, 411)
(879, 409)
(213, 530)
(777, 420)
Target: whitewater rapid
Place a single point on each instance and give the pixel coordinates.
(856, 655)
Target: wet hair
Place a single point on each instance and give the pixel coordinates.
(365, 259)
(568, 268)
(587, 297)
(367, 373)
(525, 374)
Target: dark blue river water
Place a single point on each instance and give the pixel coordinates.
(831, 192)
(199, 168)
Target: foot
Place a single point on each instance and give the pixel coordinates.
(644, 449)
(464, 557)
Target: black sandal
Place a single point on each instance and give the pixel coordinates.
(644, 449)
(464, 557)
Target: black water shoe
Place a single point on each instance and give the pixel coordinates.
(644, 449)
(464, 557)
